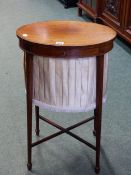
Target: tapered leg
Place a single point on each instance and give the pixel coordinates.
(98, 111)
(94, 130)
(66, 4)
(37, 120)
(29, 80)
(79, 12)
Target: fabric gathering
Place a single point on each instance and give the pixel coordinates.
(66, 85)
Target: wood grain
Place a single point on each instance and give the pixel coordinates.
(66, 33)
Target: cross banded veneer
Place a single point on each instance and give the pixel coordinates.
(71, 58)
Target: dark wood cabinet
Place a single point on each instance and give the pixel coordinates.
(69, 3)
(89, 6)
(127, 24)
(114, 13)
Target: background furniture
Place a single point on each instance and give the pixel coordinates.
(69, 3)
(60, 47)
(114, 13)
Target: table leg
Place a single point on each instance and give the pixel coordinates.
(29, 86)
(37, 130)
(94, 130)
(99, 96)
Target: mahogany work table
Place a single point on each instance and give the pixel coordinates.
(66, 40)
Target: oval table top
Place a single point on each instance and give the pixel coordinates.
(66, 39)
(66, 33)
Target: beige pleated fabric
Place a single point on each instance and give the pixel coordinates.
(66, 85)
